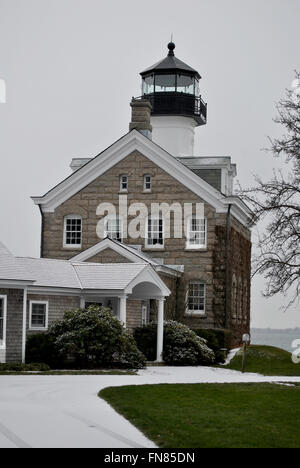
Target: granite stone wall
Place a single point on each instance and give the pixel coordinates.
(207, 265)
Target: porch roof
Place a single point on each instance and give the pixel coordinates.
(78, 276)
(11, 269)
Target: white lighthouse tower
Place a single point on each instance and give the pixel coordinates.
(172, 87)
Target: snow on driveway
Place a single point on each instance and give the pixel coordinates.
(65, 411)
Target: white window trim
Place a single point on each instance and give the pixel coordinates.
(145, 316)
(156, 246)
(4, 298)
(46, 303)
(111, 217)
(147, 190)
(195, 246)
(121, 188)
(195, 312)
(71, 246)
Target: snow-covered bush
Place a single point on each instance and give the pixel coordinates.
(94, 337)
(182, 347)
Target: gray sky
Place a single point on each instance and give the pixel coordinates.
(72, 66)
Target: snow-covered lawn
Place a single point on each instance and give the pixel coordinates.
(65, 411)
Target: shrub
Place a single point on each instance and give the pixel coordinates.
(216, 340)
(40, 348)
(146, 339)
(93, 338)
(181, 345)
(17, 367)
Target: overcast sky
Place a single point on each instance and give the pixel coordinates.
(72, 66)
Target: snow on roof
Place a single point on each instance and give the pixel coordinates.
(66, 274)
(11, 268)
(107, 275)
(53, 273)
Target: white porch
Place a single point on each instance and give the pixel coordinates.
(147, 285)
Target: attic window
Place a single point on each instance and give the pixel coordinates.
(124, 183)
(147, 183)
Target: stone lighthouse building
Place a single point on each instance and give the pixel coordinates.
(146, 227)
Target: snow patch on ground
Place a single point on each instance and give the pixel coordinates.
(230, 356)
(64, 411)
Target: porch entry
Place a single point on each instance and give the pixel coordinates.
(114, 305)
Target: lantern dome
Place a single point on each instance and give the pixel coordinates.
(172, 87)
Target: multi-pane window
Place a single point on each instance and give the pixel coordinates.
(147, 183)
(39, 315)
(114, 228)
(196, 297)
(73, 231)
(123, 183)
(196, 237)
(2, 320)
(155, 232)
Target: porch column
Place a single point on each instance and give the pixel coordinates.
(24, 325)
(160, 330)
(122, 309)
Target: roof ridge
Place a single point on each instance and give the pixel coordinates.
(77, 276)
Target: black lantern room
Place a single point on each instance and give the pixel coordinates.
(172, 87)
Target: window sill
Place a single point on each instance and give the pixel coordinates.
(38, 329)
(195, 314)
(72, 247)
(196, 249)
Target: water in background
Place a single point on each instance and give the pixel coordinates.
(280, 338)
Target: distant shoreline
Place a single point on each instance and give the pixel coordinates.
(281, 338)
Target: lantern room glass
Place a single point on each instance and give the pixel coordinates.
(185, 84)
(148, 85)
(165, 83)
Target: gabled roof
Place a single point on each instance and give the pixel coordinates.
(115, 276)
(134, 141)
(49, 273)
(132, 254)
(76, 276)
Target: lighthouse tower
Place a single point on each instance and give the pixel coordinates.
(172, 87)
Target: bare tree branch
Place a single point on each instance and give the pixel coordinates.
(278, 259)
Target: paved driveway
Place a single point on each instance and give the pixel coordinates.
(64, 411)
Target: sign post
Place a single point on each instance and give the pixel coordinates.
(246, 342)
